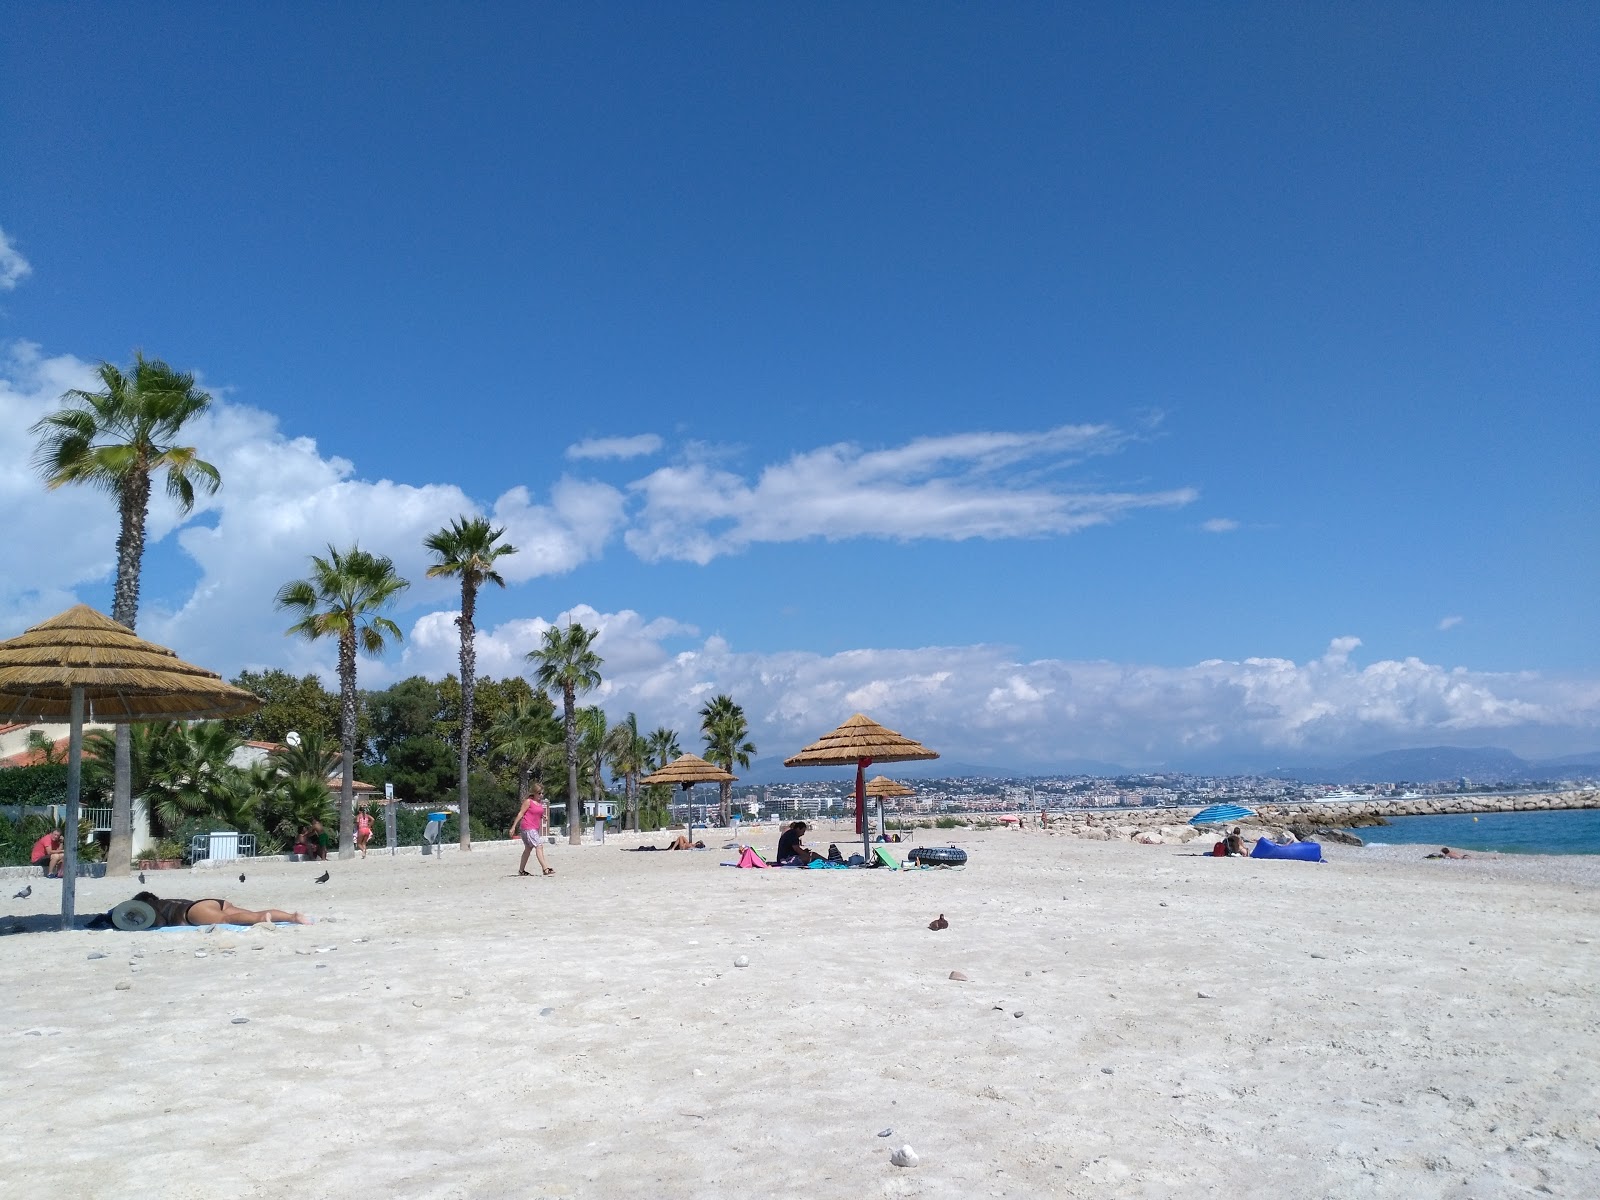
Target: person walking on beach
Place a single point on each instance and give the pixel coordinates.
(527, 824)
(363, 831)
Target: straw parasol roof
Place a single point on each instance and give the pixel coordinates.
(882, 786)
(859, 738)
(687, 771)
(82, 659)
(123, 677)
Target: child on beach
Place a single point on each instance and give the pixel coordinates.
(363, 831)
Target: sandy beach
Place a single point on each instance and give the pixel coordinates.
(1137, 1021)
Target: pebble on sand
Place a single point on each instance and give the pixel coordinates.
(904, 1157)
(957, 975)
(124, 985)
(741, 961)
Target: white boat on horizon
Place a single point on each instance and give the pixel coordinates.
(1345, 796)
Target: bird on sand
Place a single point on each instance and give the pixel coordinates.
(24, 893)
(141, 876)
(939, 923)
(323, 878)
(241, 878)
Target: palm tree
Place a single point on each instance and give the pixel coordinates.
(565, 661)
(594, 738)
(726, 733)
(466, 548)
(660, 748)
(311, 757)
(627, 750)
(526, 736)
(117, 440)
(342, 600)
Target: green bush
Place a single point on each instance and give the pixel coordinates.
(950, 823)
(38, 785)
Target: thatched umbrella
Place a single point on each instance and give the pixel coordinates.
(81, 659)
(882, 786)
(861, 741)
(686, 771)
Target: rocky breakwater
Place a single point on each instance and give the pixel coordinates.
(1309, 821)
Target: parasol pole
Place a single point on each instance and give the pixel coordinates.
(861, 805)
(69, 838)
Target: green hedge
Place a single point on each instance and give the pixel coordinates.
(43, 784)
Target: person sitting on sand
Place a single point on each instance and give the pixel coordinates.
(1446, 852)
(312, 845)
(214, 912)
(50, 854)
(1235, 845)
(791, 850)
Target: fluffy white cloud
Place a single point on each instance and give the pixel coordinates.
(616, 447)
(282, 500)
(979, 485)
(978, 703)
(13, 267)
(1446, 623)
(1219, 525)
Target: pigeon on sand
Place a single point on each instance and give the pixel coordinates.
(939, 923)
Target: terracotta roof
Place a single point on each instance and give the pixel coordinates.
(32, 757)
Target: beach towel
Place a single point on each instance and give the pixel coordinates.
(751, 859)
(887, 859)
(822, 864)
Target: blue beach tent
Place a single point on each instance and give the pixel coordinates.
(1221, 814)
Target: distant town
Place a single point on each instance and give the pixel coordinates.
(1058, 793)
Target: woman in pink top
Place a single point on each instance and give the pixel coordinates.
(363, 831)
(527, 824)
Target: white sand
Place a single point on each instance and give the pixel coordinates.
(1376, 1027)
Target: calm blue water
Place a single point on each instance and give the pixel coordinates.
(1569, 831)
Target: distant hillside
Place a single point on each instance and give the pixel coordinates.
(1441, 763)
(772, 770)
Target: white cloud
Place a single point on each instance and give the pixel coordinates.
(1219, 525)
(1449, 623)
(979, 485)
(979, 703)
(616, 447)
(282, 500)
(13, 267)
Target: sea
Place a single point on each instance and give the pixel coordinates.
(1564, 831)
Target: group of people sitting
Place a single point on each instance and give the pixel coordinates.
(1231, 846)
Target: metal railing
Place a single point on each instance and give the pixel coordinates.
(220, 846)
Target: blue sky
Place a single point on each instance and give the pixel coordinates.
(1050, 384)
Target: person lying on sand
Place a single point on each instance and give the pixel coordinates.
(1446, 852)
(214, 912)
(682, 842)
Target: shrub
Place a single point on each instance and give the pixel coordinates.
(949, 823)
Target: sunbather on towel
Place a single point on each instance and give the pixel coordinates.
(791, 851)
(214, 912)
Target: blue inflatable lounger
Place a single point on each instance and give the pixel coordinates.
(1304, 851)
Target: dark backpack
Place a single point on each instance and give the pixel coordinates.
(833, 853)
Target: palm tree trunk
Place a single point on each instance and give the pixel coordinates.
(132, 501)
(569, 700)
(347, 739)
(727, 803)
(469, 666)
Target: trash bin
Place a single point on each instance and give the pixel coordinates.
(600, 830)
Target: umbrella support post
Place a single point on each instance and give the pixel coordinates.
(69, 838)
